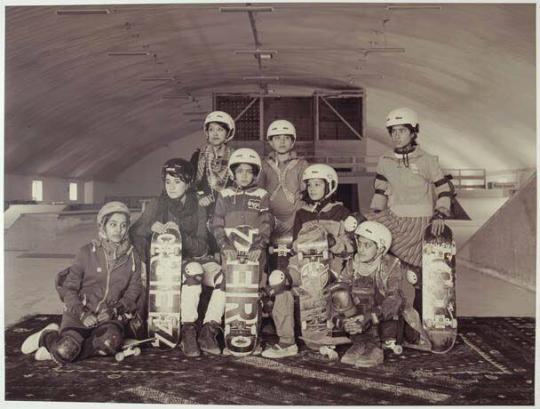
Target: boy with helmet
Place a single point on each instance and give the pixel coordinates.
(405, 185)
(102, 285)
(367, 298)
(281, 175)
(319, 207)
(178, 203)
(244, 204)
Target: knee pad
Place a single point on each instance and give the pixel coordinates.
(193, 274)
(66, 349)
(279, 282)
(341, 300)
(107, 338)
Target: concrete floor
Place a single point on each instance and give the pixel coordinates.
(31, 263)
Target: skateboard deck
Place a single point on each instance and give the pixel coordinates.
(313, 260)
(438, 289)
(241, 294)
(165, 287)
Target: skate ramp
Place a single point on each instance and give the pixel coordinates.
(491, 363)
(505, 246)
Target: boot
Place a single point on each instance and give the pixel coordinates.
(208, 335)
(31, 344)
(188, 344)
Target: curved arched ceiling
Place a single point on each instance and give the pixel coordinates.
(73, 110)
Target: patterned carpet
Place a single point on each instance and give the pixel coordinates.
(492, 364)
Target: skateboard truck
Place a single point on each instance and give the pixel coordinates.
(131, 347)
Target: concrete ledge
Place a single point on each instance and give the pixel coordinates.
(496, 274)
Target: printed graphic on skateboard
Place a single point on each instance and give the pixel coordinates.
(439, 289)
(165, 287)
(241, 294)
(313, 259)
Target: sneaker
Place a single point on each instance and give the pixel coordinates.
(42, 354)
(208, 341)
(280, 351)
(354, 353)
(372, 356)
(31, 344)
(188, 344)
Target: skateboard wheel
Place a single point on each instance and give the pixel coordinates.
(398, 350)
(304, 325)
(136, 351)
(119, 356)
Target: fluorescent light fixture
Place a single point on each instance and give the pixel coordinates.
(158, 79)
(384, 50)
(80, 12)
(260, 78)
(255, 51)
(243, 9)
(127, 53)
(414, 7)
(173, 96)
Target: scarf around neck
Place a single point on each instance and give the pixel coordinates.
(214, 165)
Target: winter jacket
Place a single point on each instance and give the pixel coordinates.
(331, 217)
(236, 207)
(383, 286)
(190, 218)
(408, 190)
(91, 285)
(285, 186)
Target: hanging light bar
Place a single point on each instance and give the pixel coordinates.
(127, 53)
(158, 79)
(80, 12)
(261, 78)
(414, 7)
(244, 9)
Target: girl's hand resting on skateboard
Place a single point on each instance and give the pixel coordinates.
(437, 227)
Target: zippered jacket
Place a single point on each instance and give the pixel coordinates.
(92, 285)
(236, 207)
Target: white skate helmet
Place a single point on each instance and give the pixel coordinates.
(281, 127)
(402, 116)
(245, 155)
(221, 118)
(322, 171)
(376, 232)
(110, 208)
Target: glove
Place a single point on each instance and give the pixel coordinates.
(106, 314)
(89, 319)
(230, 254)
(254, 255)
(158, 228)
(357, 324)
(205, 201)
(331, 240)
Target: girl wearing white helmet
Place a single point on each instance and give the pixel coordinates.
(281, 175)
(179, 204)
(367, 298)
(98, 290)
(244, 204)
(320, 207)
(411, 192)
(210, 162)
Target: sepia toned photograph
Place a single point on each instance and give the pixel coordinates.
(311, 203)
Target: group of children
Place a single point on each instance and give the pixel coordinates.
(220, 188)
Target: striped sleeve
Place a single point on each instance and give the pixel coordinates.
(443, 192)
(378, 202)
